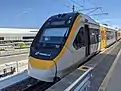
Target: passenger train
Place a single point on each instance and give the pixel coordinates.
(65, 41)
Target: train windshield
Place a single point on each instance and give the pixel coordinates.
(54, 35)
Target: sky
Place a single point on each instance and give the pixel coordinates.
(33, 13)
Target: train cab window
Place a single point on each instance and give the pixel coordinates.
(54, 35)
(79, 40)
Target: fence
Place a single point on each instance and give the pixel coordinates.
(82, 83)
(12, 67)
(13, 52)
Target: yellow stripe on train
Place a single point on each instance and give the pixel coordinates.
(48, 64)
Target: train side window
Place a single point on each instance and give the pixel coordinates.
(94, 36)
(97, 33)
(110, 35)
(79, 40)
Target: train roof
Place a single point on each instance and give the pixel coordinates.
(90, 20)
(85, 18)
(106, 26)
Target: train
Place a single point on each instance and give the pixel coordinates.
(64, 41)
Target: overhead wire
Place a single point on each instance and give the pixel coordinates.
(76, 3)
(93, 10)
(102, 12)
(89, 8)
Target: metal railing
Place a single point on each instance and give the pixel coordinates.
(13, 52)
(82, 83)
(13, 67)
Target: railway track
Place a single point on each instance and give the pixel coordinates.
(39, 86)
(21, 85)
(29, 84)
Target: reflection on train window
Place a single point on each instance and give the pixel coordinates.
(110, 35)
(54, 35)
(94, 36)
(98, 35)
(79, 40)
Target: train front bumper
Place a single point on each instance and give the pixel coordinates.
(43, 75)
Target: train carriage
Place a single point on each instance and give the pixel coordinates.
(63, 41)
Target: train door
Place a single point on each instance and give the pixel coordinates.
(87, 40)
(79, 46)
(103, 37)
(94, 38)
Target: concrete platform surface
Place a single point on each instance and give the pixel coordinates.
(112, 81)
(101, 64)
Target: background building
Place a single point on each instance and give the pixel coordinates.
(15, 36)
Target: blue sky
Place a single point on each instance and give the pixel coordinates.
(33, 13)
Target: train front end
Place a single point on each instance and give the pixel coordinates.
(46, 49)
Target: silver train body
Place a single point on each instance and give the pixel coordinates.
(62, 43)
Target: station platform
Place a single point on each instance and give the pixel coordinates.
(112, 81)
(99, 73)
(100, 66)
